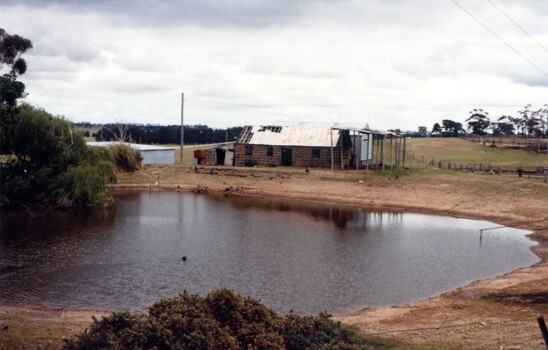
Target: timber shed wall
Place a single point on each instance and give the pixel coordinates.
(211, 156)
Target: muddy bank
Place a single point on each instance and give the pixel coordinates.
(485, 314)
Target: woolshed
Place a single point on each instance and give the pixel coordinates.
(151, 154)
(304, 146)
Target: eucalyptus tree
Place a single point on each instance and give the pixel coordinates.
(503, 126)
(436, 129)
(11, 89)
(478, 122)
(451, 128)
(530, 121)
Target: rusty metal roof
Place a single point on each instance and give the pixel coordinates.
(312, 136)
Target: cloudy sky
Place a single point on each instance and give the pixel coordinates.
(388, 63)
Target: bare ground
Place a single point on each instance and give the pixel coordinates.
(498, 313)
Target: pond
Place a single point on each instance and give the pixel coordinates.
(292, 255)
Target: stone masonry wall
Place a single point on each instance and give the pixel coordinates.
(302, 156)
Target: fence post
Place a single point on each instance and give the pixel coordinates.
(543, 329)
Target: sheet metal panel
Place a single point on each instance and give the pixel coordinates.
(294, 136)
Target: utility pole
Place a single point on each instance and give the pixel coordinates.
(182, 127)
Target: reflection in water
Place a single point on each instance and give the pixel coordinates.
(301, 256)
(341, 216)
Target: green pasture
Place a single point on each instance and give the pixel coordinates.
(457, 150)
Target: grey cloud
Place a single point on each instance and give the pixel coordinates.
(247, 13)
(52, 45)
(537, 80)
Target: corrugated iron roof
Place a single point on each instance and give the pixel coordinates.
(311, 136)
(138, 146)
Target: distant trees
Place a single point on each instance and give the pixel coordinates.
(533, 122)
(529, 122)
(170, 134)
(448, 128)
(436, 130)
(451, 128)
(503, 126)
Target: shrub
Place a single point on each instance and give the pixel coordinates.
(83, 185)
(126, 158)
(250, 162)
(50, 164)
(223, 319)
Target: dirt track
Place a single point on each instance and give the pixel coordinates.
(490, 314)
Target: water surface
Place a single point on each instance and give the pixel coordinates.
(304, 257)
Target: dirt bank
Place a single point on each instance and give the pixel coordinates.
(489, 314)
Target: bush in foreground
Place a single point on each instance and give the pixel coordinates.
(223, 319)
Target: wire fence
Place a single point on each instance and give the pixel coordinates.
(539, 145)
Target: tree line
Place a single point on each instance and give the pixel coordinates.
(529, 122)
(160, 134)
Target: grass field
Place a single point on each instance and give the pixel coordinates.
(457, 150)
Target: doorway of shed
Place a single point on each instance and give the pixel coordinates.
(220, 153)
(287, 156)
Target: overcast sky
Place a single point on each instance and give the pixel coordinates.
(388, 63)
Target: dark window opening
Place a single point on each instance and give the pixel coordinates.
(316, 153)
(248, 150)
(269, 151)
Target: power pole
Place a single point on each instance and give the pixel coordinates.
(182, 127)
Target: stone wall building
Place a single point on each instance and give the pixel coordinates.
(300, 146)
(311, 147)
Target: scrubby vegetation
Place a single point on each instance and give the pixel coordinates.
(223, 319)
(49, 163)
(126, 158)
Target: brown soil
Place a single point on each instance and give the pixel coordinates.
(499, 313)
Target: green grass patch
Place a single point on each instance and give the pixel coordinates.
(457, 150)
